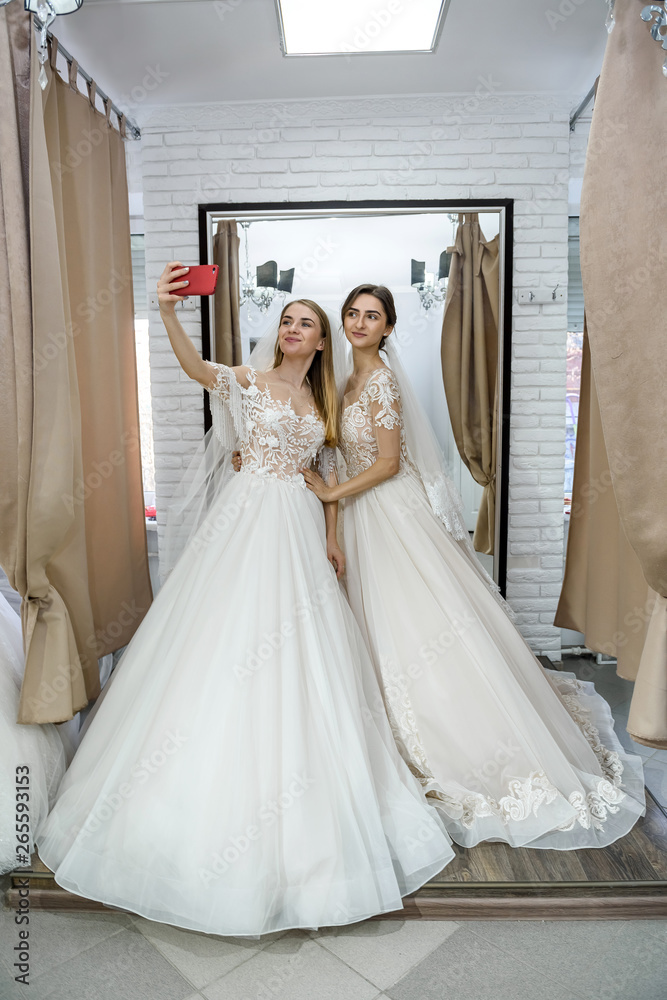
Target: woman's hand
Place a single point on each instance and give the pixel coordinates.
(171, 279)
(236, 461)
(314, 482)
(335, 556)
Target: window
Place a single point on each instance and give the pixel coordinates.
(575, 335)
(143, 369)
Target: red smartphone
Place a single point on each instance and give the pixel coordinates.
(202, 278)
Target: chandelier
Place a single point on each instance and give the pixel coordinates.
(432, 290)
(648, 13)
(45, 12)
(610, 23)
(266, 284)
(658, 27)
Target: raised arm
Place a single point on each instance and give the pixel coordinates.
(206, 373)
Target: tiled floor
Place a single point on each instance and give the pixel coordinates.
(119, 957)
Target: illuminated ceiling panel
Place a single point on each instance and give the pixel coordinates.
(360, 27)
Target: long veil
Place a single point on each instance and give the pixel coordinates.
(210, 468)
(427, 456)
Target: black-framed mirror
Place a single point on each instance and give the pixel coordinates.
(322, 249)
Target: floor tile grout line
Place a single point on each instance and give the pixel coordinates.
(657, 935)
(58, 965)
(661, 806)
(414, 966)
(355, 971)
(184, 975)
(244, 962)
(180, 972)
(517, 958)
(220, 978)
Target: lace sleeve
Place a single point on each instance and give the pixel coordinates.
(224, 380)
(384, 399)
(226, 401)
(383, 404)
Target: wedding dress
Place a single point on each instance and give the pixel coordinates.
(240, 775)
(508, 751)
(32, 756)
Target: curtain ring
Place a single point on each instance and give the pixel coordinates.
(53, 42)
(73, 70)
(92, 91)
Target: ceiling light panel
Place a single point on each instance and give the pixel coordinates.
(359, 27)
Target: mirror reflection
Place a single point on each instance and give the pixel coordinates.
(444, 270)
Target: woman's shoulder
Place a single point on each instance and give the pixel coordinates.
(221, 375)
(381, 382)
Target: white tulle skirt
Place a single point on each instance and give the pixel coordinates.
(32, 758)
(238, 777)
(509, 751)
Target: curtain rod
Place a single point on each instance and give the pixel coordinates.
(584, 104)
(130, 128)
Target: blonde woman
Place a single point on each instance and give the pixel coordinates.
(507, 750)
(238, 777)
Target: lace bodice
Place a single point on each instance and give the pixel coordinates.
(377, 408)
(273, 439)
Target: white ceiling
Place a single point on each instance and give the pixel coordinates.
(228, 50)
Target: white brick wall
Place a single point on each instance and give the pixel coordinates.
(469, 146)
(578, 150)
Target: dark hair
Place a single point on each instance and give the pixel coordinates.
(380, 292)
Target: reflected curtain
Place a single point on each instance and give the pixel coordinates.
(226, 308)
(469, 353)
(73, 537)
(623, 238)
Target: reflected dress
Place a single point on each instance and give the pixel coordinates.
(238, 777)
(508, 751)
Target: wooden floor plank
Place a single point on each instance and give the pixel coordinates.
(642, 854)
(428, 907)
(627, 880)
(558, 908)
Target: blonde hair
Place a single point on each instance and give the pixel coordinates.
(320, 375)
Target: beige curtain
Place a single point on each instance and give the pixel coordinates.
(40, 541)
(226, 299)
(605, 594)
(93, 221)
(469, 353)
(623, 257)
(73, 539)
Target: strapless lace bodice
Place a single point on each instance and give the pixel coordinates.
(274, 440)
(379, 405)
